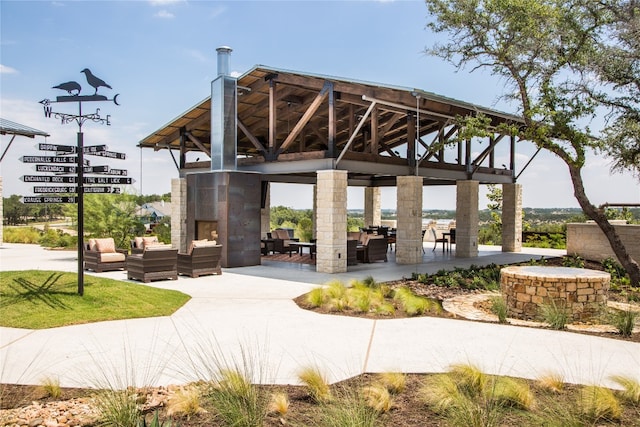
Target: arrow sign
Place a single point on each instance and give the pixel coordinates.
(41, 189)
(109, 154)
(55, 168)
(108, 180)
(120, 172)
(96, 169)
(50, 159)
(49, 179)
(50, 199)
(103, 190)
(60, 148)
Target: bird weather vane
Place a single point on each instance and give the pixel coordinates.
(74, 88)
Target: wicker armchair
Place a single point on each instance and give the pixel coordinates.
(138, 244)
(282, 241)
(102, 255)
(202, 258)
(155, 263)
(375, 249)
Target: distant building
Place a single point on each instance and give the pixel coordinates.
(152, 213)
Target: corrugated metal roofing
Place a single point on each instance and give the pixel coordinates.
(7, 127)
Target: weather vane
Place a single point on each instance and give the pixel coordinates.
(73, 88)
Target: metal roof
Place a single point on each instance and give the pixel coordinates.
(7, 127)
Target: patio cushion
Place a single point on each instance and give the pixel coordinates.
(92, 245)
(149, 241)
(157, 247)
(195, 243)
(106, 245)
(112, 257)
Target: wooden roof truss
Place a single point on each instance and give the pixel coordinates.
(291, 124)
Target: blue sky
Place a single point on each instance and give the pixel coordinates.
(159, 56)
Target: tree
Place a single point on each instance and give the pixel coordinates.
(547, 51)
(110, 215)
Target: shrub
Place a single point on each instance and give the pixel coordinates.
(51, 386)
(279, 403)
(499, 308)
(316, 384)
(237, 401)
(316, 297)
(512, 393)
(630, 386)
(21, 235)
(556, 315)
(624, 321)
(599, 403)
(395, 382)
(377, 397)
(185, 401)
(118, 407)
(552, 382)
(573, 261)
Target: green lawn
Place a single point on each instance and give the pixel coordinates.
(36, 299)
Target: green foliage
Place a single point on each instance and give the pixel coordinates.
(599, 404)
(624, 321)
(574, 261)
(21, 235)
(304, 229)
(118, 408)
(630, 388)
(238, 402)
(555, 314)
(612, 267)
(155, 421)
(499, 308)
(110, 215)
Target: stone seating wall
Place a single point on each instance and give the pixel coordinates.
(589, 242)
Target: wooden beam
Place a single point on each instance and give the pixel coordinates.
(272, 116)
(315, 104)
(198, 144)
(261, 148)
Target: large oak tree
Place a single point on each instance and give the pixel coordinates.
(564, 63)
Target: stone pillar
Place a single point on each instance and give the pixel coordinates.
(265, 213)
(179, 214)
(331, 205)
(467, 219)
(409, 212)
(372, 211)
(511, 217)
(314, 215)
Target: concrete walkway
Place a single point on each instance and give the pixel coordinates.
(246, 318)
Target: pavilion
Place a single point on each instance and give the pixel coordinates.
(279, 126)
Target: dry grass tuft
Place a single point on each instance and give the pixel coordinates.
(316, 383)
(552, 382)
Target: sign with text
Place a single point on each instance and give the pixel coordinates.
(73, 179)
(51, 159)
(50, 199)
(108, 154)
(102, 190)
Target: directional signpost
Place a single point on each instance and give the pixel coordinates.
(66, 155)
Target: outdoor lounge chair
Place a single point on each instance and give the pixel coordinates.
(102, 255)
(138, 244)
(155, 263)
(374, 249)
(282, 241)
(202, 258)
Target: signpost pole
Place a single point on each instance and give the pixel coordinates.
(80, 169)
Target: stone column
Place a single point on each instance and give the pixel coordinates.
(409, 212)
(331, 206)
(467, 219)
(314, 215)
(179, 214)
(372, 211)
(511, 217)
(265, 214)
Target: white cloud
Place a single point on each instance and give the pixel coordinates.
(7, 70)
(197, 55)
(164, 14)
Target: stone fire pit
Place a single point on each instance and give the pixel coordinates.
(581, 291)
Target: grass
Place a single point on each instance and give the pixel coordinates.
(316, 383)
(38, 299)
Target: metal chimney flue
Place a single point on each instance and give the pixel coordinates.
(224, 52)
